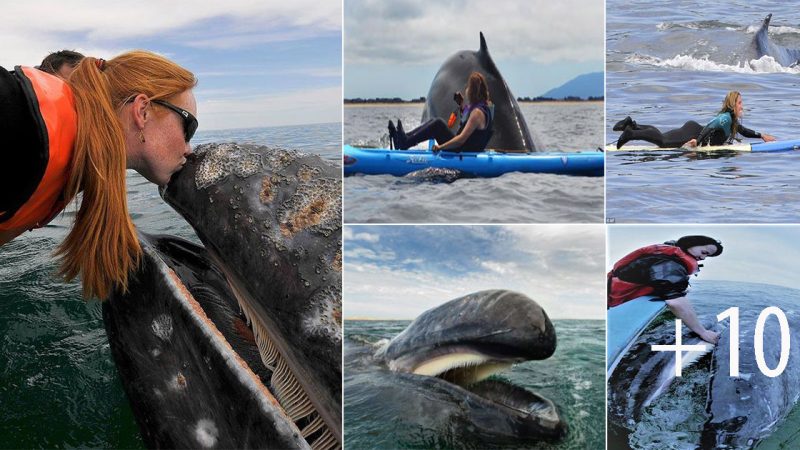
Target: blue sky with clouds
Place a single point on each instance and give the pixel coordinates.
(752, 253)
(397, 272)
(394, 48)
(258, 63)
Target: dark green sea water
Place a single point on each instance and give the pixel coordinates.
(675, 419)
(573, 378)
(59, 387)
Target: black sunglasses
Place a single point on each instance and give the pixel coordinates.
(189, 121)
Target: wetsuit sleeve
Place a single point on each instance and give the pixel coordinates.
(748, 133)
(668, 277)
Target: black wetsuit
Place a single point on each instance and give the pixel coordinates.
(23, 159)
(711, 134)
(437, 129)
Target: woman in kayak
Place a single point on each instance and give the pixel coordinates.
(663, 270)
(474, 132)
(721, 130)
(65, 137)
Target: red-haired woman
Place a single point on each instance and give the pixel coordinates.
(135, 111)
(474, 133)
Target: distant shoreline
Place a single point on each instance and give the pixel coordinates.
(349, 104)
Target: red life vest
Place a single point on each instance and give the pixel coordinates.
(620, 291)
(56, 105)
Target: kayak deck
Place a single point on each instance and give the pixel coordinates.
(490, 163)
(626, 322)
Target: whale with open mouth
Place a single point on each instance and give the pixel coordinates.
(270, 221)
(438, 372)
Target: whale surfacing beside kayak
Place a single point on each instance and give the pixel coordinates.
(510, 130)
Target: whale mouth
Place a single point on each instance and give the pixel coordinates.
(257, 348)
(458, 365)
(470, 369)
(471, 372)
(521, 401)
(293, 390)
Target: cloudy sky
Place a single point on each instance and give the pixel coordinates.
(260, 63)
(397, 272)
(394, 48)
(752, 253)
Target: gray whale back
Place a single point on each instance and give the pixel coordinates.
(786, 56)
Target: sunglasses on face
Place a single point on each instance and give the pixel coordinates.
(189, 121)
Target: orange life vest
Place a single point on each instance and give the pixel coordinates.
(57, 115)
(620, 291)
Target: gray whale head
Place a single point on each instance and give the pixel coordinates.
(510, 130)
(452, 349)
(271, 221)
(486, 327)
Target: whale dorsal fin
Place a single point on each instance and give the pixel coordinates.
(486, 58)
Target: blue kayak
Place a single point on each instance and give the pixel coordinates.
(490, 163)
(626, 322)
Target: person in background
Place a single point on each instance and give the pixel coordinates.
(61, 63)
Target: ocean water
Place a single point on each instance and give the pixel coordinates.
(674, 420)
(696, 36)
(572, 378)
(59, 386)
(672, 62)
(511, 198)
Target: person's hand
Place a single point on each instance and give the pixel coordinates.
(767, 137)
(458, 98)
(709, 336)
(692, 143)
(436, 147)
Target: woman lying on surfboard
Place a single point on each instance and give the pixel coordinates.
(663, 270)
(474, 132)
(721, 130)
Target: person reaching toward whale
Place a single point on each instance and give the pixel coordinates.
(135, 111)
(663, 270)
(721, 130)
(475, 129)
